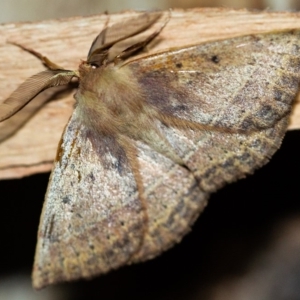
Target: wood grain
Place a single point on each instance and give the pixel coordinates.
(66, 41)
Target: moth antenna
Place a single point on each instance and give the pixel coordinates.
(100, 38)
(140, 45)
(45, 60)
(33, 86)
(98, 48)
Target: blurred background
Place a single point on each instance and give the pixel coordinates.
(31, 10)
(245, 246)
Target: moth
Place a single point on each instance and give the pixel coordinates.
(151, 138)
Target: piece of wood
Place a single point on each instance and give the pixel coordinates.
(33, 147)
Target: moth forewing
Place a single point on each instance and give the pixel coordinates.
(81, 233)
(248, 116)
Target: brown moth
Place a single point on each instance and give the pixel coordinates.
(150, 138)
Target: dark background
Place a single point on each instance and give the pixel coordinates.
(238, 227)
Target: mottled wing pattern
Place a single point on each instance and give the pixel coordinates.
(173, 201)
(129, 203)
(241, 89)
(175, 195)
(104, 223)
(217, 158)
(93, 219)
(242, 84)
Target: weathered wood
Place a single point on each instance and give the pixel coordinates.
(66, 41)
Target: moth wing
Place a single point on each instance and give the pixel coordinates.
(92, 219)
(241, 90)
(173, 200)
(217, 158)
(30, 88)
(175, 195)
(242, 84)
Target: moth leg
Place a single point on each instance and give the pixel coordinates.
(45, 60)
(140, 45)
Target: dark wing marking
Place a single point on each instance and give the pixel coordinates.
(246, 83)
(93, 219)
